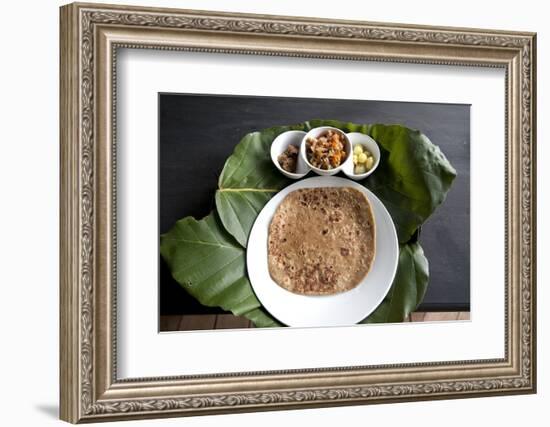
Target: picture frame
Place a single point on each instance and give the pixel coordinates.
(89, 387)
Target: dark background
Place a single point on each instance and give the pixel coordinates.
(198, 132)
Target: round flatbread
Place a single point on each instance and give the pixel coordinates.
(321, 240)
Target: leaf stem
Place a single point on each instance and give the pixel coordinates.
(253, 190)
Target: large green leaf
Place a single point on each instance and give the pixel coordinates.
(210, 265)
(408, 288)
(207, 258)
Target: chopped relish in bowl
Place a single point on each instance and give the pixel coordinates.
(327, 151)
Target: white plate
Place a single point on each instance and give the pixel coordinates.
(346, 308)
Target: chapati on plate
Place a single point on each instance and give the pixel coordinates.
(321, 240)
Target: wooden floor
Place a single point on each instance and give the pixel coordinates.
(228, 321)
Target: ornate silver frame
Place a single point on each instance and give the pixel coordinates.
(90, 36)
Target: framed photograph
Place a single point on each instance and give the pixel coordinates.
(267, 212)
(244, 205)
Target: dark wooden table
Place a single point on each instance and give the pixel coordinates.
(197, 134)
(194, 322)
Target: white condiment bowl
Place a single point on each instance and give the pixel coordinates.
(278, 147)
(370, 145)
(315, 133)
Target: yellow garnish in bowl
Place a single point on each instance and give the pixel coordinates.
(363, 161)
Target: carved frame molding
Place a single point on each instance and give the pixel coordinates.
(90, 37)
